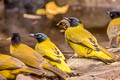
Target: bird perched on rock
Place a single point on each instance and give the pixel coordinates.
(83, 42)
(50, 52)
(30, 57)
(113, 30)
(10, 67)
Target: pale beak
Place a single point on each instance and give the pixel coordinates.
(108, 12)
(31, 35)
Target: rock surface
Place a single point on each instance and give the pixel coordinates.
(89, 69)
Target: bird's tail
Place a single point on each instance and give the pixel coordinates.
(30, 70)
(110, 54)
(64, 67)
(56, 71)
(106, 56)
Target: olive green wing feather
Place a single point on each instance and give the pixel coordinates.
(83, 38)
(8, 62)
(49, 54)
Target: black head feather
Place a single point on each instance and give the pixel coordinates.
(15, 38)
(73, 21)
(39, 36)
(113, 14)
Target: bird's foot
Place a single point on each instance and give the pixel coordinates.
(71, 74)
(74, 57)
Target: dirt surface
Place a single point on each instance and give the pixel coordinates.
(89, 69)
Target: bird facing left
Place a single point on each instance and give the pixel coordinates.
(30, 57)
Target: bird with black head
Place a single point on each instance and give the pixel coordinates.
(83, 42)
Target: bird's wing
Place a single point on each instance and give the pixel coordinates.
(58, 53)
(48, 54)
(29, 59)
(8, 62)
(83, 38)
(52, 58)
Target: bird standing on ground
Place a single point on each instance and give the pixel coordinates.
(50, 52)
(10, 67)
(113, 30)
(30, 57)
(83, 42)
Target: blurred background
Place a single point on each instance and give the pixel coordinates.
(31, 16)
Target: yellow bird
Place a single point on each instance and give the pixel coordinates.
(50, 52)
(113, 30)
(10, 67)
(83, 42)
(30, 57)
(51, 9)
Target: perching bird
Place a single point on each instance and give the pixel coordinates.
(51, 9)
(50, 52)
(113, 30)
(10, 67)
(30, 57)
(83, 42)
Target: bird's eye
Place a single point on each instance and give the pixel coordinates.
(40, 36)
(111, 15)
(61, 23)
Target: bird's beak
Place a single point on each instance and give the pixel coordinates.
(31, 35)
(57, 25)
(64, 20)
(108, 12)
(60, 25)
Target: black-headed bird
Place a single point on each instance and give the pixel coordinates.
(83, 42)
(51, 53)
(10, 67)
(113, 30)
(30, 57)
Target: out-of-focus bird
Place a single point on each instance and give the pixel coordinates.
(51, 9)
(50, 52)
(83, 42)
(10, 67)
(30, 57)
(113, 30)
